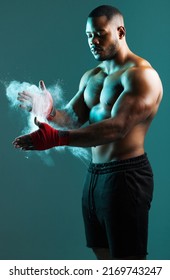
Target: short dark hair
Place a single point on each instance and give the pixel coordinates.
(105, 10)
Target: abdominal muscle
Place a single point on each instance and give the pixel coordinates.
(132, 145)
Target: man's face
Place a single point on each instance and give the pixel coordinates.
(102, 38)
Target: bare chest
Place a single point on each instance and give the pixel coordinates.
(100, 95)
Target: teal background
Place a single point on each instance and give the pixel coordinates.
(40, 205)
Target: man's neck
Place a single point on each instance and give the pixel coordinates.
(118, 61)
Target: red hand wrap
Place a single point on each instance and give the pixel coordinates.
(47, 137)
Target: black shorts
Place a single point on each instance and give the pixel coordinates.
(115, 203)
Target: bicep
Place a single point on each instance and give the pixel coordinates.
(130, 110)
(138, 100)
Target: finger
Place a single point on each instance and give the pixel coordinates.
(42, 85)
(28, 108)
(37, 122)
(26, 139)
(23, 99)
(25, 94)
(21, 145)
(16, 146)
(24, 146)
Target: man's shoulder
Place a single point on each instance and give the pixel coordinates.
(142, 77)
(141, 71)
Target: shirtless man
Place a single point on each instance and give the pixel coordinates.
(119, 98)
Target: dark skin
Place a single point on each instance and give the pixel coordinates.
(119, 98)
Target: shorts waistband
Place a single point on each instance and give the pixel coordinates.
(119, 165)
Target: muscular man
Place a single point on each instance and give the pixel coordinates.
(119, 98)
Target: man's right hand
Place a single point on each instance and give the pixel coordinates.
(46, 137)
(38, 103)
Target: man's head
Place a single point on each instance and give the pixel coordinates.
(105, 31)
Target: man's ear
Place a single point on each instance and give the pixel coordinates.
(121, 31)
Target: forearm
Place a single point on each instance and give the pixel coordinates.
(46, 137)
(96, 134)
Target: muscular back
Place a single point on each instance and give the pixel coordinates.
(103, 94)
